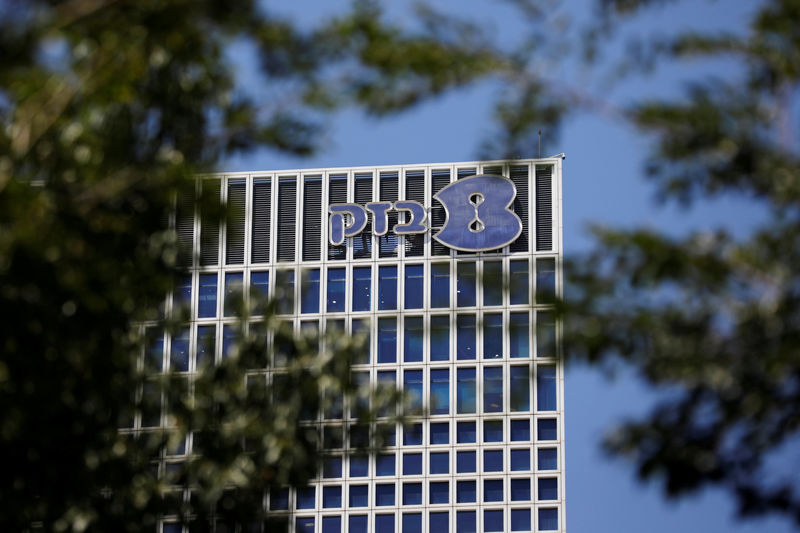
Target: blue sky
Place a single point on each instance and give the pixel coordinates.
(602, 183)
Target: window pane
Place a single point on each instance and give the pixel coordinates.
(413, 286)
(465, 284)
(546, 388)
(331, 497)
(518, 283)
(233, 292)
(493, 460)
(179, 355)
(207, 296)
(412, 523)
(206, 343)
(545, 334)
(331, 524)
(384, 465)
(466, 391)
(546, 429)
(228, 340)
(519, 333)
(362, 285)
(357, 524)
(521, 460)
(361, 329)
(492, 283)
(154, 349)
(359, 465)
(440, 285)
(412, 493)
(440, 522)
(520, 490)
(182, 297)
(520, 388)
(440, 391)
(384, 523)
(492, 520)
(387, 380)
(548, 488)
(332, 467)
(359, 495)
(493, 490)
(465, 432)
(440, 433)
(466, 522)
(306, 497)
(412, 435)
(412, 384)
(466, 462)
(492, 389)
(548, 519)
(387, 340)
(439, 492)
(440, 463)
(284, 291)
(440, 338)
(412, 464)
(545, 280)
(520, 520)
(336, 290)
(412, 339)
(384, 494)
(304, 524)
(259, 291)
(547, 459)
(387, 287)
(520, 430)
(493, 431)
(279, 499)
(492, 336)
(309, 291)
(466, 337)
(466, 491)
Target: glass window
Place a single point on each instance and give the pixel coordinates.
(520, 490)
(440, 391)
(412, 493)
(439, 492)
(154, 349)
(493, 283)
(546, 388)
(172, 528)
(440, 338)
(519, 333)
(545, 280)
(207, 296)
(332, 467)
(465, 432)
(440, 522)
(233, 292)
(548, 519)
(493, 520)
(412, 464)
(466, 462)
(361, 329)
(388, 432)
(547, 459)
(306, 497)
(493, 460)
(384, 523)
(309, 291)
(492, 431)
(359, 495)
(412, 339)
(440, 463)
(440, 285)
(466, 390)
(545, 334)
(228, 340)
(412, 384)
(440, 432)
(465, 284)
(387, 287)
(384, 494)
(359, 465)
(412, 523)
(259, 291)
(336, 290)
(331, 524)
(412, 435)
(304, 524)
(387, 380)
(361, 401)
(331, 496)
(520, 388)
(413, 288)
(279, 499)
(179, 354)
(518, 283)
(362, 288)
(284, 291)
(357, 524)
(182, 297)
(206, 343)
(384, 465)
(466, 522)
(493, 389)
(548, 488)
(387, 340)
(466, 491)
(493, 490)
(546, 429)
(466, 337)
(520, 460)
(492, 336)
(520, 519)
(520, 430)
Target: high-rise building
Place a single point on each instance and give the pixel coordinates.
(451, 269)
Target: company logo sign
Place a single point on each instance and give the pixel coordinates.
(478, 215)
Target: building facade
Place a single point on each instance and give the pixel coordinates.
(463, 326)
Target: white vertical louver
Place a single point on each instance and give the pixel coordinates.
(184, 226)
(520, 177)
(415, 190)
(287, 218)
(439, 179)
(389, 183)
(209, 224)
(262, 211)
(234, 235)
(337, 194)
(544, 209)
(362, 244)
(312, 218)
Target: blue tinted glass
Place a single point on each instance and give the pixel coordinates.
(414, 280)
(439, 492)
(466, 522)
(412, 339)
(359, 495)
(359, 465)
(465, 328)
(545, 280)
(179, 356)
(546, 429)
(384, 523)
(492, 283)
(206, 342)
(520, 520)
(389, 433)
(492, 389)
(412, 464)
(546, 388)
(520, 490)
(362, 285)
(412, 434)
(309, 291)
(304, 524)
(520, 460)
(361, 329)
(466, 388)
(207, 296)
(331, 524)
(412, 523)
(332, 467)
(465, 432)
(228, 340)
(259, 289)
(387, 340)
(492, 336)
(493, 490)
(384, 495)
(440, 285)
(465, 462)
(183, 293)
(233, 292)
(387, 287)
(548, 488)
(521, 429)
(548, 519)
(154, 349)
(439, 522)
(520, 388)
(493, 521)
(284, 291)
(545, 334)
(384, 465)
(440, 433)
(493, 460)
(440, 391)
(412, 493)
(465, 284)
(357, 524)
(331, 497)
(519, 334)
(305, 498)
(412, 384)
(493, 431)
(518, 283)
(336, 289)
(440, 462)
(466, 491)
(172, 528)
(279, 499)
(440, 338)
(548, 459)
